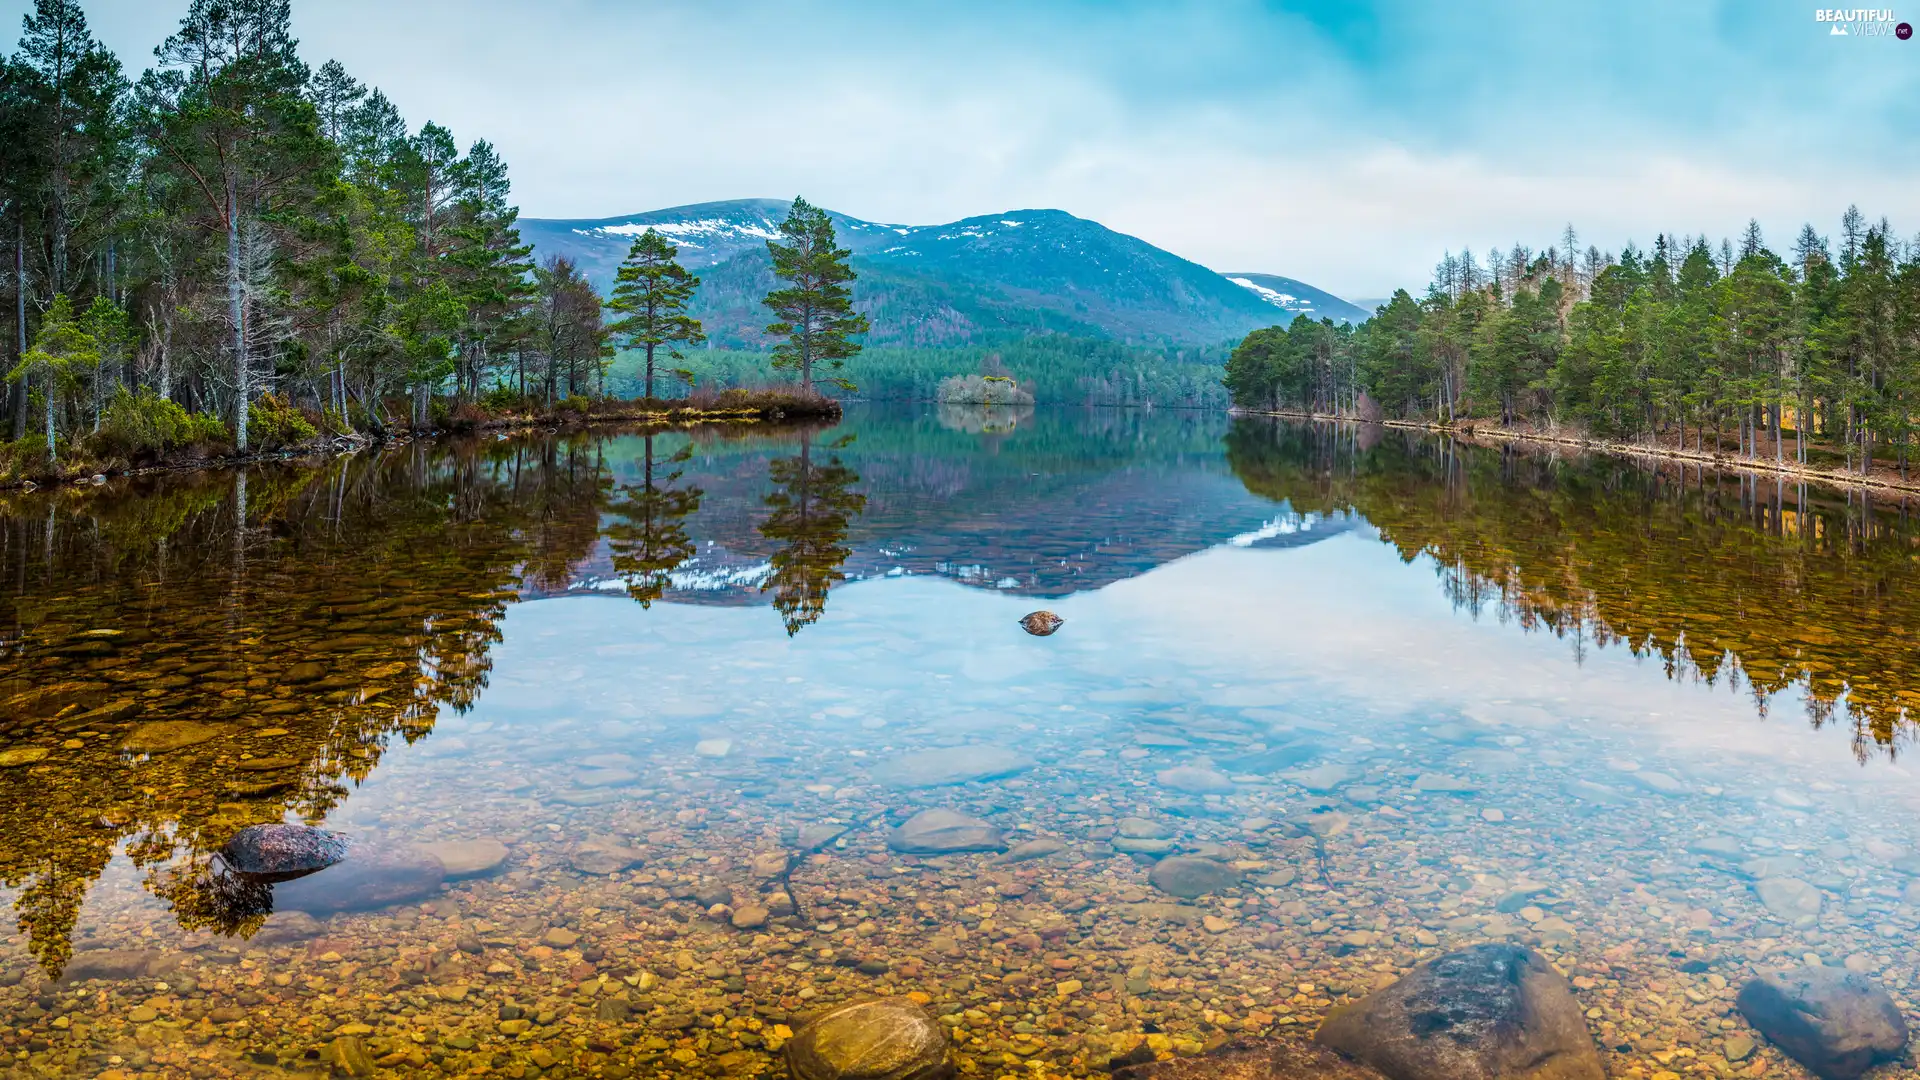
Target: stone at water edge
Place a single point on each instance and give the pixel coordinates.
(937, 832)
(1836, 1022)
(1041, 623)
(883, 1039)
(283, 852)
(1189, 878)
(1489, 1011)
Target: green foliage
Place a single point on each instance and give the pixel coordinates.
(276, 423)
(651, 292)
(815, 310)
(1678, 345)
(142, 424)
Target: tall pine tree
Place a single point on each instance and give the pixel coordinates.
(815, 310)
(651, 292)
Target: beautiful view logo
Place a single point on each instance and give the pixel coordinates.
(1862, 22)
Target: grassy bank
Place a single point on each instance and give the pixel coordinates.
(145, 434)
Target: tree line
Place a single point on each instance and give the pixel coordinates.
(1812, 356)
(237, 247)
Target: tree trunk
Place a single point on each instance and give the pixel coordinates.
(649, 371)
(20, 317)
(236, 305)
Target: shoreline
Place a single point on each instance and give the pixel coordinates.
(324, 447)
(1483, 436)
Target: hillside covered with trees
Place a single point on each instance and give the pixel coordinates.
(1689, 345)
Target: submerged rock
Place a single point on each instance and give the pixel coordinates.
(1041, 623)
(283, 852)
(1788, 898)
(884, 1039)
(603, 855)
(1188, 877)
(1485, 1012)
(1263, 1059)
(1195, 780)
(468, 858)
(161, 736)
(1038, 848)
(935, 832)
(1837, 1023)
(952, 765)
(372, 876)
(22, 755)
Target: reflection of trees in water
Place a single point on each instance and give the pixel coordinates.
(812, 508)
(305, 620)
(651, 540)
(1724, 577)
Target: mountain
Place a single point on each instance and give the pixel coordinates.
(1300, 298)
(976, 280)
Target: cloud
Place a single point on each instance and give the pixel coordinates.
(1347, 143)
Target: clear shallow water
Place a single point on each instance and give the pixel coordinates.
(1414, 695)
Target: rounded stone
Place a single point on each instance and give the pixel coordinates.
(282, 852)
(1188, 877)
(468, 858)
(936, 832)
(882, 1039)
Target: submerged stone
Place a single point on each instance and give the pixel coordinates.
(954, 765)
(934, 832)
(1188, 877)
(161, 736)
(884, 1039)
(372, 876)
(468, 858)
(1489, 1011)
(1837, 1023)
(1195, 780)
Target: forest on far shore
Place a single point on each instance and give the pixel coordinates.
(1806, 357)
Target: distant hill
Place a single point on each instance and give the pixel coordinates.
(984, 278)
(1300, 298)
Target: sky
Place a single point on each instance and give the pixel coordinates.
(1347, 144)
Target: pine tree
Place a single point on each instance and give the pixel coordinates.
(61, 352)
(815, 310)
(651, 292)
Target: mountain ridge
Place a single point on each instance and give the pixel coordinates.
(989, 276)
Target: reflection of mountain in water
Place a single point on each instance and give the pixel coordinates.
(1068, 500)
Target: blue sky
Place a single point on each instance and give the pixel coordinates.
(1346, 144)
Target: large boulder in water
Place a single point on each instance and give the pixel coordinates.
(940, 832)
(1489, 1012)
(372, 876)
(884, 1039)
(283, 852)
(952, 765)
(1837, 1023)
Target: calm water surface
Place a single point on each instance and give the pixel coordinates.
(623, 728)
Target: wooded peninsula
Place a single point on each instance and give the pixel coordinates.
(235, 253)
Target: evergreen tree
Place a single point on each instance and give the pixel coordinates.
(61, 352)
(815, 310)
(651, 292)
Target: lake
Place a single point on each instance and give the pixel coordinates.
(633, 734)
